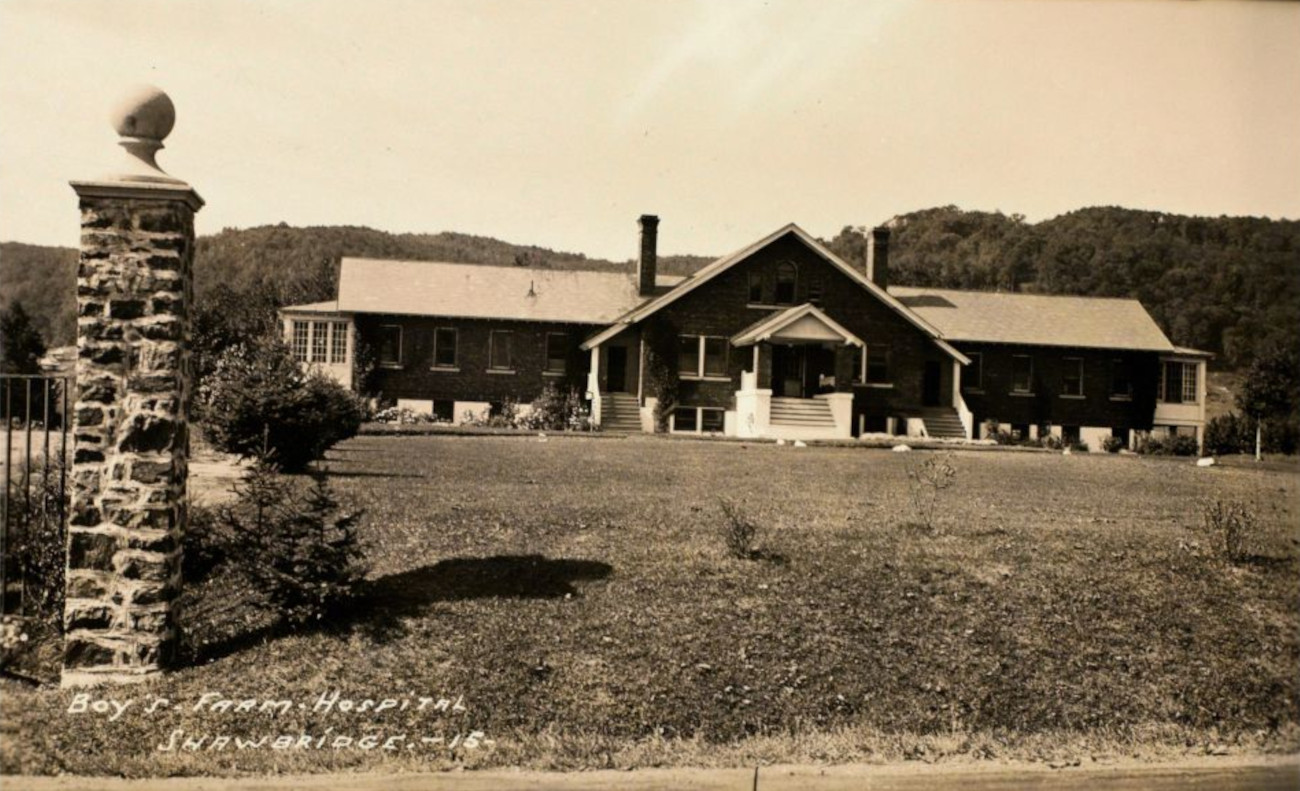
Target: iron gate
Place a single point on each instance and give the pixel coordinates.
(33, 506)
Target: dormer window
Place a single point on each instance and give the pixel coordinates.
(786, 277)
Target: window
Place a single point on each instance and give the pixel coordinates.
(444, 347)
(972, 376)
(715, 356)
(301, 330)
(1070, 435)
(319, 340)
(786, 275)
(1121, 382)
(444, 411)
(756, 287)
(500, 351)
(1189, 383)
(816, 286)
(1072, 377)
(877, 371)
(1178, 383)
(698, 420)
(688, 356)
(339, 342)
(700, 356)
(871, 364)
(557, 352)
(1022, 373)
(390, 346)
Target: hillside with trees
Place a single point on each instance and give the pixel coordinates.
(1228, 285)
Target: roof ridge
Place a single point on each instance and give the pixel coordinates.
(603, 270)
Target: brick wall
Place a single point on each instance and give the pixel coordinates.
(721, 307)
(416, 379)
(1096, 408)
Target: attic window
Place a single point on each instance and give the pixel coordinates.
(786, 276)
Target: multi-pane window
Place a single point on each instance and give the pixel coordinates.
(786, 276)
(444, 347)
(1072, 376)
(712, 420)
(557, 352)
(320, 336)
(338, 342)
(877, 371)
(501, 350)
(1022, 373)
(685, 418)
(755, 286)
(1178, 383)
(301, 333)
(700, 356)
(972, 376)
(319, 341)
(390, 345)
(1189, 383)
(1121, 381)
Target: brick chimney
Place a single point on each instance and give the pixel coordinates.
(878, 257)
(649, 256)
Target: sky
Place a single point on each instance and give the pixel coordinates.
(559, 123)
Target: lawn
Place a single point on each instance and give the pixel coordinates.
(576, 595)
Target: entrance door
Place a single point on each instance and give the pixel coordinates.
(930, 384)
(788, 371)
(616, 369)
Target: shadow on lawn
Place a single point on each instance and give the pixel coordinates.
(382, 604)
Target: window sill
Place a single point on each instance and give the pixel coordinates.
(391, 366)
(973, 390)
(1070, 397)
(554, 373)
(761, 306)
(445, 369)
(502, 371)
(1121, 398)
(875, 385)
(1019, 394)
(698, 378)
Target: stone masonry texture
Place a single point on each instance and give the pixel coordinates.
(131, 441)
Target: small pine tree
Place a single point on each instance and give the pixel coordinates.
(300, 552)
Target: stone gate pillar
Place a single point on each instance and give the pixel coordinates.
(131, 441)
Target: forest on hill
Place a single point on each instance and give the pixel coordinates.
(1229, 285)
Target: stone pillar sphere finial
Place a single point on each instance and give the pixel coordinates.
(143, 117)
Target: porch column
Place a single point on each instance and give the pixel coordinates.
(129, 468)
(593, 384)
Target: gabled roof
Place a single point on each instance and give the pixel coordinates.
(1037, 319)
(795, 321)
(427, 288)
(712, 270)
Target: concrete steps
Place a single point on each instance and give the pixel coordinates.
(620, 412)
(802, 412)
(943, 423)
